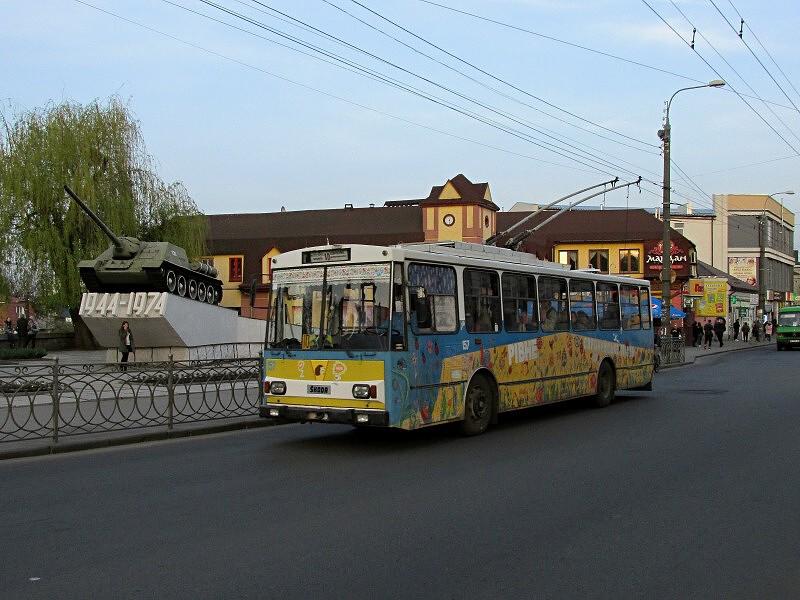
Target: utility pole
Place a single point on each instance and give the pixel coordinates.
(666, 257)
(762, 266)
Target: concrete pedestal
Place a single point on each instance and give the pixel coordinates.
(165, 324)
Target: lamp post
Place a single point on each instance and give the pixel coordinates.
(665, 135)
(762, 250)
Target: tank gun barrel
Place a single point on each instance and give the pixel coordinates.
(106, 229)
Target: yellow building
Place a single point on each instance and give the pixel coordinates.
(615, 258)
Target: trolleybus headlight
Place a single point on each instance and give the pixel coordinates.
(361, 391)
(278, 388)
(362, 418)
(274, 412)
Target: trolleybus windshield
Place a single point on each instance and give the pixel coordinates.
(345, 307)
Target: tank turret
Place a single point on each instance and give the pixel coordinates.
(133, 265)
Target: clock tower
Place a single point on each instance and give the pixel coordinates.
(460, 211)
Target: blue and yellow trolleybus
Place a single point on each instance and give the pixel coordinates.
(419, 334)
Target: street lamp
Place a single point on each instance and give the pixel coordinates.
(664, 134)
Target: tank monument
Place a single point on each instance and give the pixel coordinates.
(171, 303)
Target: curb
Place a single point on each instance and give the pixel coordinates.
(126, 440)
(715, 353)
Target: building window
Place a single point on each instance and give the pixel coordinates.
(581, 304)
(235, 269)
(519, 303)
(568, 257)
(608, 305)
(432, 297)
(629, 261)
(481, 301)
(20, 310)
(553, 304)
(678, 226)
(598, 259)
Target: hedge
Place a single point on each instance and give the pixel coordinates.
(15, 353)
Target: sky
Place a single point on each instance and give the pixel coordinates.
(249, 125)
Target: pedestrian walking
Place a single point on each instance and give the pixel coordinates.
(745, 331)
(756, 331)
(708, 334)
(8, 330)
(768, 330)
(33, 330)
(126, 344)
(719, 330)
(22, 330)
(736, 330)
(697, 333)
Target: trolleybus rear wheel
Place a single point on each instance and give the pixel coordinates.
(605, 385)
(478, 406)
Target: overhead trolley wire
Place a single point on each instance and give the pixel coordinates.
(763, 66)
(496, 78)
(489, 87)
(764, 48)
(578, 46)
(426, 95)
(710, 66)
(326, 93)
(732, 68)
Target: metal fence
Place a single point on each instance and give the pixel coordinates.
(52, 401)
(672, 351)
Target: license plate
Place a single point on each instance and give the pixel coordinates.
(319, 389)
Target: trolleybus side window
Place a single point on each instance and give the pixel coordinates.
(608, 305)
(432, 297)
(581, 302)
(482, 301)
(646, 308)
(520, 309)
(631, 308)
(553, 304)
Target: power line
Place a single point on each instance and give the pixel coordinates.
(746, 165)
(710, 66)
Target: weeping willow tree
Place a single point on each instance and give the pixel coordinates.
(98, 150)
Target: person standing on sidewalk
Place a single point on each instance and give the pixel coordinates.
(768, 330)
(22, 330)
(736, 330)
(745, 331)
(719, 330)
(697, 333)
(8, 330)
(33, 330)
(756, 330)
(126, 345)
(708, 335)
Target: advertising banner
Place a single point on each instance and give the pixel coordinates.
(713, 301)
(744, 268)
(654, 257)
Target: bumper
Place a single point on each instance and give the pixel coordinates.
(315, 414)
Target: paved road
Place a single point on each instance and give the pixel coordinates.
(691, 491)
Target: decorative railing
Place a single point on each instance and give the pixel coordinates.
(40, 401)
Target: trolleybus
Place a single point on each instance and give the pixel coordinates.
(415, 335)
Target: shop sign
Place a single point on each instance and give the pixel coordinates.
(654, 259)
(744, 268)
(714, 300)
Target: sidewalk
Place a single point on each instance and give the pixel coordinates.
(693, 353)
